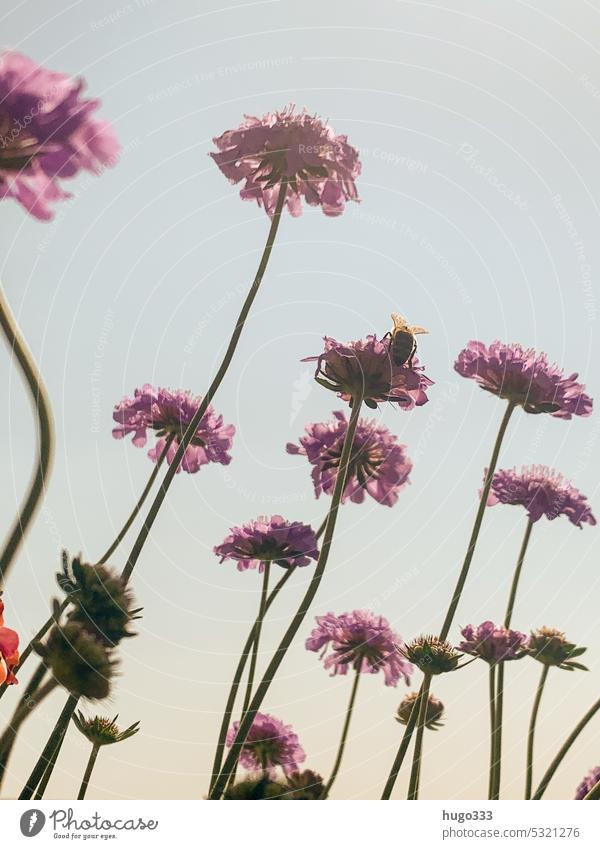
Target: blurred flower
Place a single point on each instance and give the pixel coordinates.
(79, 661)
(493, 643)
(523, 376)
(435, 711)
(304, 785)
(432, 655)
(102, 731)
(9, 650)
(361, 641)
(588, 783)
(550, 647)
(378, 465)
(366, 368)
(297, 147)
(542, 492)
(269, 744)
(47, 133)
(256, 788)
(169, 414)
(271, 540)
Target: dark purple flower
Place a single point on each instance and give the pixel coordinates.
(378, 466)
(523, 376)
(269, 541)
(366, 368)
(493, 643)
(297, 147)
(588, 783)
(47, 133)
(361, 641)
(542, 492)
(269, 744)
(169, 414)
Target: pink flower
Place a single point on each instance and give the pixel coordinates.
(288, 544)
(493, 643)
(269, 744)
(9, 650)
(297, 147)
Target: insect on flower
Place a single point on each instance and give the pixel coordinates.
(403, 345)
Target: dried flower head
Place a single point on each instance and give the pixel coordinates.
(524, 377)
(269, 744)
(294, 147)
(493, 643)
(305, 785)
(9, 650)
(80, 662)
(432, 655)
(588, 783)
(273, 540)
(256, 788)
(169, 413)
(102, 731)
(379, 465)
(435, 711)
(551, 647)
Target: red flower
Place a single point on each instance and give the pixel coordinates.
(9, 650)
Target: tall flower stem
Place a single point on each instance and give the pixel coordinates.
(541, 789)
(257, 629)
(478, 520)
(498, 715)
(88, 772)
(344, 737)
(415, 773)
(531, 733)
(298, 618)
(517, 575)
(217, 380)
(39, 793)
(403, 748)
(45, 428)
(48, 752)
(492, 694)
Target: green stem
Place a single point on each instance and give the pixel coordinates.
(193, 425)
(403, 748)
(541, 789)
(531, 734)
(478, 520)
(492, 695)
(499, 711)
(45, 427)
(415, 773)
(257, 629)
(340, 753)
(39, 794)
(298, 618)
(88, 772)
(594, 793)
(50, 747)
(516, 577)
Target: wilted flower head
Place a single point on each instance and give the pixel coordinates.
(366, 368)
(169, 413)
(435, 710)
(361, 641)
(551, 647)
(47, 133)
(80, 662)
(292, 146)
(378, 465)
(493, 643)
(269, 744)
(588, 783)
(271, 540)
(9, 650)
(525, 377)
(256, 788)
(432, 655)
(305, 785)
(102, 731)
(542, 492)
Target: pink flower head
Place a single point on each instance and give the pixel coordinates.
(378, 466)
(542, 492)
(47, 133)
(269, 541)
(292, 146)
(9, 651)
(269, 744)
(361, 641)
(493, 643)
(366, 368)
(588, 783)
(169, 414)
(523, 376)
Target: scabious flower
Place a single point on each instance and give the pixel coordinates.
(435, 710)
(293, 146)
(47, 134)
(432, 655)
(379, 465)
(9, 650)
(305, 785)
(362, 641)
(366, 368)
(269, 744)
(551, 647)
(493, 643)
(590, 781)
(169, 413)
(542, 492)
(524, 377)
(271, 540)
(102, 731)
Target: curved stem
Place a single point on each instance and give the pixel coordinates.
(88, 772)
(257, 629)
(531, 733)
(222, 371)
(344, 737)
(492, 697)
(415, 773)
(478, 520)
(45, 427)
(541, 789)
(50, 749)
(140, 503)
(298, 618)
(403, 748)
(517, 575)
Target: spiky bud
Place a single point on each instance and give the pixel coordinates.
(435, 711)
(551, 647)
(432, 655)
(102, 731)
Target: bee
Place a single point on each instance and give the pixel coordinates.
(403, 346)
